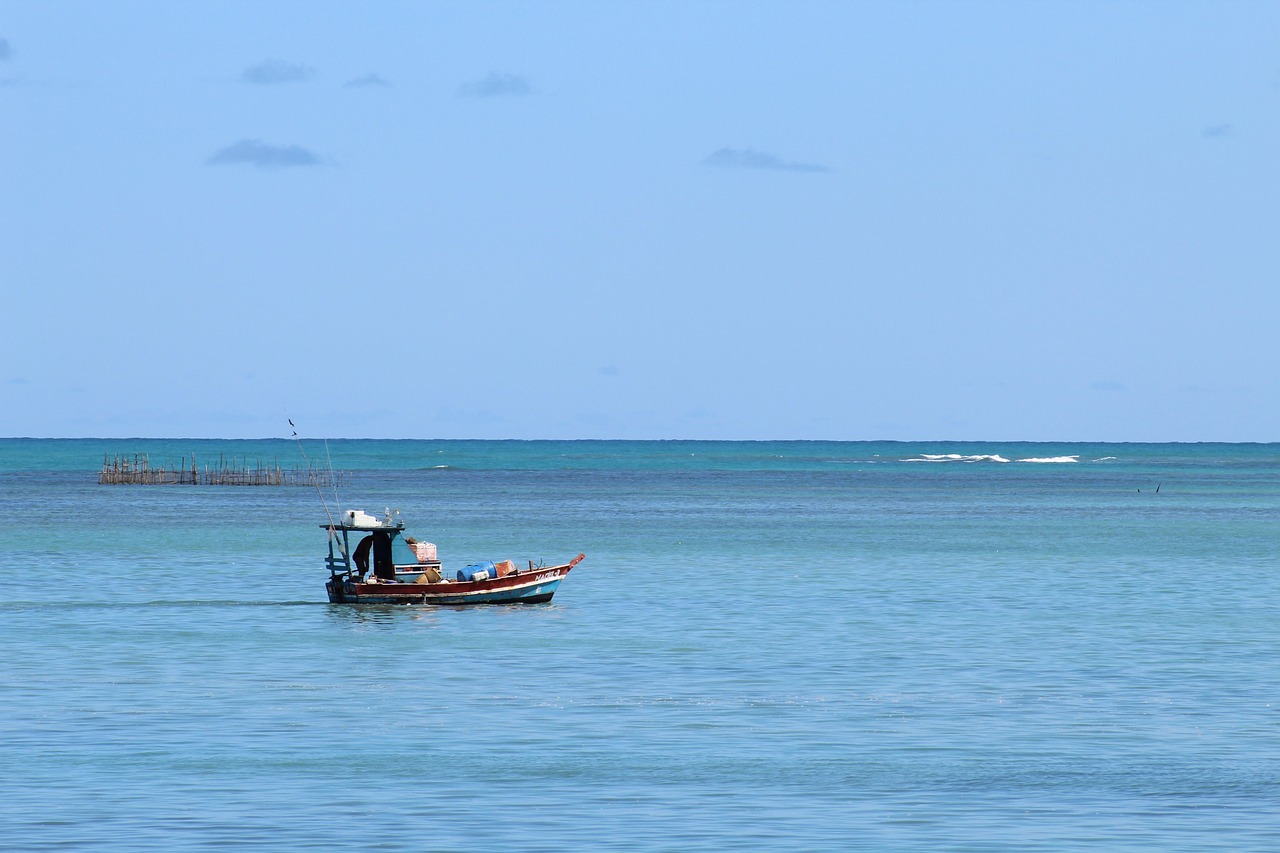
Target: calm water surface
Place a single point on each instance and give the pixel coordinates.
(770, 646)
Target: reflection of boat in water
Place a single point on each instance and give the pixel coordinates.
(386, 567)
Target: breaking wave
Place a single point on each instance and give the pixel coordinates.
(989, 457)
(955, 457)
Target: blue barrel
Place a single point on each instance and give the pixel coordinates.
(469, 572)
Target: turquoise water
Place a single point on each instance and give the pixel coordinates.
(770, 646)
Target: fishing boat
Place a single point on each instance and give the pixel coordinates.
(371, 561)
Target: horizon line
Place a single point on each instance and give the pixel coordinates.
(690, 440)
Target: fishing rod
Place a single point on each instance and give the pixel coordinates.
(333, 478)
(314, 480)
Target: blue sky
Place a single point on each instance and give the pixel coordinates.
(854, 220)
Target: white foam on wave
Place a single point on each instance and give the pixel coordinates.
(1052, 460)
(956, 457)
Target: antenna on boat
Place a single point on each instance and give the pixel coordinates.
(323, 503)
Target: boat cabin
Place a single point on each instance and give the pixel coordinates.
(361, 544)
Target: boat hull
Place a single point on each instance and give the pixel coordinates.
(535, 586)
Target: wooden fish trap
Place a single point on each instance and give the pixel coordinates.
(137, 470)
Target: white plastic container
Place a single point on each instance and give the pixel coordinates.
(360, 518)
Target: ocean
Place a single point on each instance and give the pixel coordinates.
(770, 646)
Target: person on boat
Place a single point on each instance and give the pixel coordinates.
(361, 555)
(380, 544)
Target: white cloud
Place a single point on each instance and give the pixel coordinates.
(497, 85)
(749, 158)
(367, 81)
(273, 72)
(255, 152)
